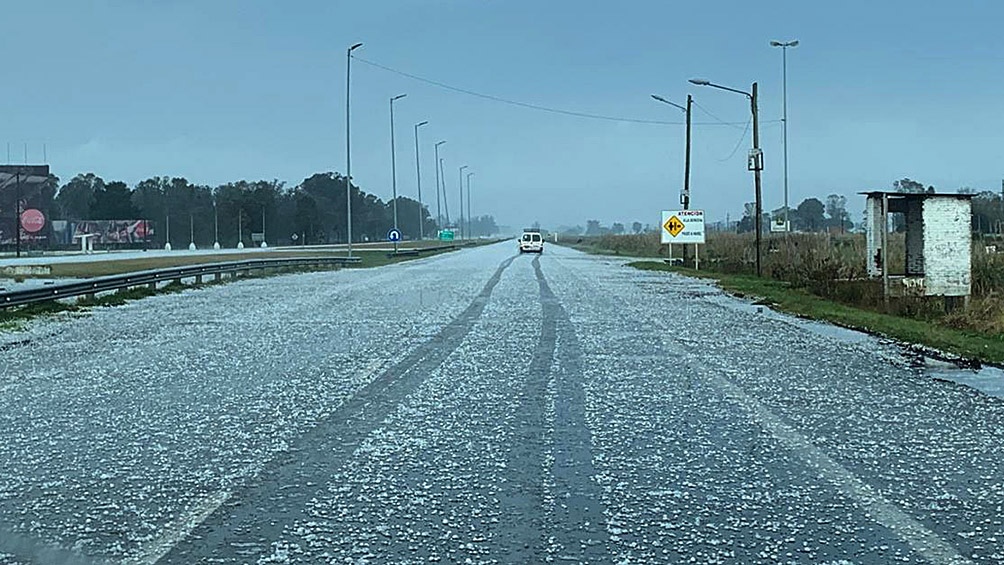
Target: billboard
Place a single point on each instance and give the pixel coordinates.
(25, 199)
(106, 232)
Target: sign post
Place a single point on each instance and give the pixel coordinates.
(683, 226)
(394, 236)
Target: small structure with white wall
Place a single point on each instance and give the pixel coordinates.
(938, 243)
(86, 242)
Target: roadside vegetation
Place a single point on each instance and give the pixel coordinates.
(823, 277)
(313, 212)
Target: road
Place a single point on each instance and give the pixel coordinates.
(50, 258)
(482, 407)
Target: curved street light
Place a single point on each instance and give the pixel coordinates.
(686, 172)
(348, 144)
(469, 224)
(418, 181)
(460, 213)
(439, 208)
(393, 162)
(756, 159)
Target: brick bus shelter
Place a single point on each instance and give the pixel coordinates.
(938, 230)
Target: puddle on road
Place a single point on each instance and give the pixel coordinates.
(986, 379)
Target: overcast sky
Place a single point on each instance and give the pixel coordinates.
(219, 91)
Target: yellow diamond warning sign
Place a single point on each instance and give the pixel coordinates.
(674, 226)
(683, 226)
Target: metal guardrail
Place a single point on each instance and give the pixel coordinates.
(142, 278)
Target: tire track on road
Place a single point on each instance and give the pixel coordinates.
(252, 518)
(579, 523)
(574, 530)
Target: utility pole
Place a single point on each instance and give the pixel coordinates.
(686, 171)
(756, 157)
(686, 167)
(756, 173)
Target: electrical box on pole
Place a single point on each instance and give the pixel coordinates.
(755, 160)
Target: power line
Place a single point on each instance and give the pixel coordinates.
(738, 143)
(537, 107)
(714, 117)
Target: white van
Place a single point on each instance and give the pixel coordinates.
(531, 242)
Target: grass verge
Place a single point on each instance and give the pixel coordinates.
(780, 296)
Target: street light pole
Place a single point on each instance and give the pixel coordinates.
(439, 209)
(757, 158)
(216, 226)
(756, 174)
(418, 181)
(446, 203)
(348, 145)
(686, 170)
(460, 217)
(393, 162)
(784, 118)
(17, 212)
(469, 225)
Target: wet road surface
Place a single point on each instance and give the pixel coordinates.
(484, 407)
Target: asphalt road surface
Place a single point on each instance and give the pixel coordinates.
(484, 407)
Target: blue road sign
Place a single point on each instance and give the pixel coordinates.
(394, 235)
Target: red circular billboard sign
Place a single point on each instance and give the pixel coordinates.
(32, 220)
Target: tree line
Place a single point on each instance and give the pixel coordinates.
(827, 215)
(312, 212)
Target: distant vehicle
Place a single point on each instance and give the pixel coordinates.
(531, 242)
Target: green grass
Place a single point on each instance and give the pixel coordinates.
(780, 296)
(14, 319)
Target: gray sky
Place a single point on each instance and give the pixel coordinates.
(219, 91)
